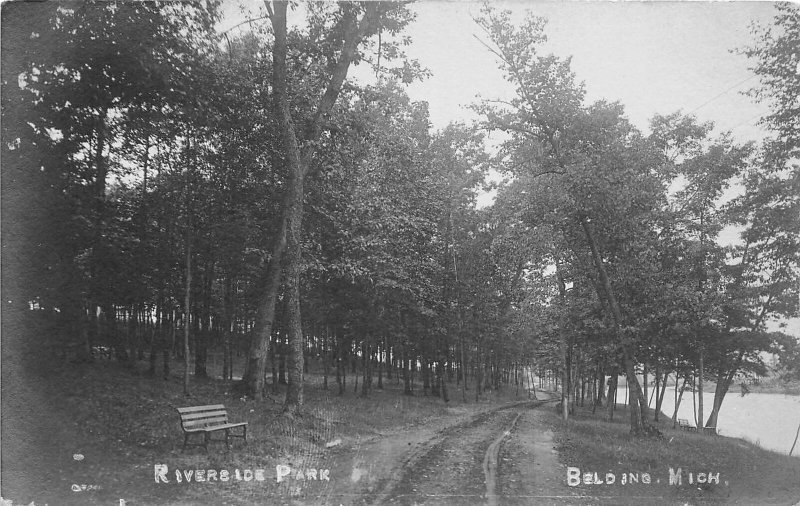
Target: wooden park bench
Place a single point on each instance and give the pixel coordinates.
(683, 424)
(206, 420)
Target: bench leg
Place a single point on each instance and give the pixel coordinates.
(228, 439)
(206, 439)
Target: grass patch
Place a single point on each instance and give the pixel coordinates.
(123, 422)
(747, 474)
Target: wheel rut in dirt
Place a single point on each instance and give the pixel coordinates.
(490, 463)
(529, 471)
(450, 467)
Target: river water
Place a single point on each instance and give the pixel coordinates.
(768, 420)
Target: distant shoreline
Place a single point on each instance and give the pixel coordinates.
(766, 387)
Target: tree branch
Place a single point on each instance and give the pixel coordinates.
(354, 32)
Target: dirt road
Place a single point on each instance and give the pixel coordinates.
(500, 456)
(529, 471)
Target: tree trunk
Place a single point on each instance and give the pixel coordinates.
(98, 252)
(176, 347)
(612, 393)
(700, 399)
(564, 345)
(478, 371)
(151, 371)
(281, 349)
(228, 326)
(426, 378)
(487, 372)
(297, 165)
(294, 392)
(723, 384)
(645, 374)
(121, 349)
(442, 383)
(354, 363)
(325, 357)
(381, 354)
(253, 378)
(141, 335)
(273, 358)
(639, 425)
(660, 400)
(406, 364)
(564, 380)
(187, 304)
(165, 342)
(340, 369)
(201, 340)
(365, 361)
(601, 383)
(463, 365)
(387, 360)
(678, 399)
(656, 392)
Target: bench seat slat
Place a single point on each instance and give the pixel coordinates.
(192, 409)
(216, 427)
(225, 426)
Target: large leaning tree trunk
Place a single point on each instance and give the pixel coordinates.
(297, 150)
(725, 376)
(636, 403)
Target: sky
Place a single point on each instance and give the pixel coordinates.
(653, 57)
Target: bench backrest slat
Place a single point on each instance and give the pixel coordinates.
(205, 421)
(192, 409)
(196, 417)
(206, 414)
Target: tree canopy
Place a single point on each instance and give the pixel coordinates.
(170, 191)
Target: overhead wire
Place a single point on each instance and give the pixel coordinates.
(721, 94)
(745, 121)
